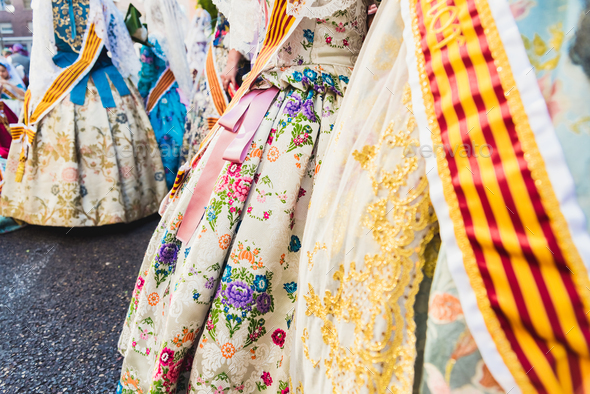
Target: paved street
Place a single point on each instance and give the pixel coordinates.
(64, 296)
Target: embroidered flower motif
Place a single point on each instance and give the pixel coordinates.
(167, 253)
(153, 299)
(343, 78)
(309, 73)
(308, 111)
(140, 282)
(234, 169)
(340, 28)
(297, 76)
(263, 303)
(249, 209)
(328, 40)
(266, 378)
(285, 390)
(273, 154)
(242, 188)
(69, 174)
(210, 283)
(278, 337)
(228, 350)
(224, 241)
(239, 294)
(144, 335)
(266, 215)
(222, 183)
(444, 307)
(290, 287)
(345, 42)
(261, 197)
(227, 274)
(260, 283)
(167, 357)
(308, 35)
(295, 244)
(293, 106)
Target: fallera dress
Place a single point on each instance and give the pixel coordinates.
(94, 159)
(168, 115)
(215, 314)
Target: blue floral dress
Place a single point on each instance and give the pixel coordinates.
(168, 115)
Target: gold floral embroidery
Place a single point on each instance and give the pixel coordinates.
(304, 338)
(399, 221)
(310, 255)
(62, 24)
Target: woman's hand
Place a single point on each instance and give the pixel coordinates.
(230, 71)
(371, 12)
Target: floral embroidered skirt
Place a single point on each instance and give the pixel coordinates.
(88, 166)
(216, 313)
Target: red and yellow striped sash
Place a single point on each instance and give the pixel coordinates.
(59, 88)
(279, 27)
(164, 83)
(9, 94)
(217, 94)
(530, 283)
(68, 78)
(211, 122)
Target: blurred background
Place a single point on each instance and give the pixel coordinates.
(16, 16)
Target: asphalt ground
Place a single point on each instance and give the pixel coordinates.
(63, 297)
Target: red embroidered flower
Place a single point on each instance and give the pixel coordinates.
(266, 378)
(328, 40)
(278, 337)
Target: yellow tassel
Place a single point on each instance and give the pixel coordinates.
(20, 171)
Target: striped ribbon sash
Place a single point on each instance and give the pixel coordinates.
(280, 26)
(59, 88)
(214, 83)
(164, 84)
(517, 263)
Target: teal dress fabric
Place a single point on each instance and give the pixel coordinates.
(168, 115)
(69, 34)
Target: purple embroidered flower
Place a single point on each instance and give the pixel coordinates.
(319, 88)
(167, 356)
(239, 294)
(308, 110)
(210, 283)
(167, 253)
(263, 303)
(293, 106)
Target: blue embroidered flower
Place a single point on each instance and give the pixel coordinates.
(328, 79)
(297, 76)
(260, 283)
(308, 34)
(295, 244)
(83, 191)
(211, 216)
(196, 296)
(227, 275)
(290, 287)
(312, 75)
(343, 78)
(159, 176)
(244, 313)
(186, 252)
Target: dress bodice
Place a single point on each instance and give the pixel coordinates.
(69, 34)
(335, 40)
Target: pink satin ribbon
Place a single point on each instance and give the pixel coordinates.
(240, 124)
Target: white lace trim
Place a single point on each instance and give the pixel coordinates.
(247, 24)
(167, 23)
(318, 8)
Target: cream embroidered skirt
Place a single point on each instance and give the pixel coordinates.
(88, 166)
